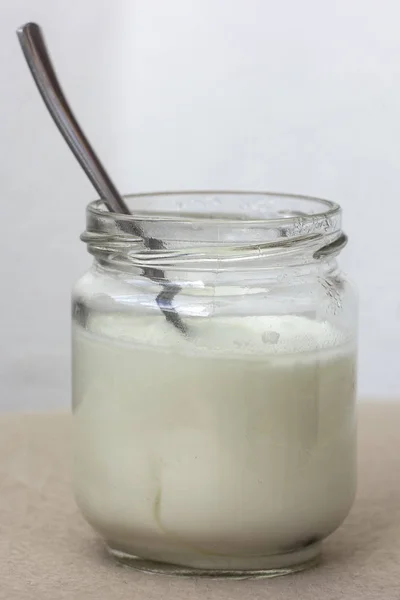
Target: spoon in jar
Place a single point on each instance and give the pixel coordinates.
(39, 62)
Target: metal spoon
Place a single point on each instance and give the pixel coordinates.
(38, 59)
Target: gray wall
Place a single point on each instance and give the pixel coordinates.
(290, 96)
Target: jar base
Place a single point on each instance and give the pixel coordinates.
(273, 566)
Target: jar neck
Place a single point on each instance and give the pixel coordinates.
(201, 272)
(266, 233)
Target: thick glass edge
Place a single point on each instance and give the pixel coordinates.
(331, 209)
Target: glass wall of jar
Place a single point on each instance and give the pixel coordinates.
(213, 381)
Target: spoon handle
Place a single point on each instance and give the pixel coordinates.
(39, 62)
(38, 59)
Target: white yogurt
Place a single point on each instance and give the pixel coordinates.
(218, 451)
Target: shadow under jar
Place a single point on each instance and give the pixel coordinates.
(228, 450)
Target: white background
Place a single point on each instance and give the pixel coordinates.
(297, 96)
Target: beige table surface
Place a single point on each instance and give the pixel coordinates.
(47, 552)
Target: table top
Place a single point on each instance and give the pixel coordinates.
(48, 552)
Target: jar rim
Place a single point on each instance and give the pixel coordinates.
(328, 209)
(199, 223)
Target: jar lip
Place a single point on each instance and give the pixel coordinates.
(195, 224)
(328, 208)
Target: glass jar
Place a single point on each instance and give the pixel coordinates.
(214, 359)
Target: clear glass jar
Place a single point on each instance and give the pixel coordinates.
(213, 382)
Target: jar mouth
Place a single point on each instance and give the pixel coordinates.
(270, 209)
(219, 225)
